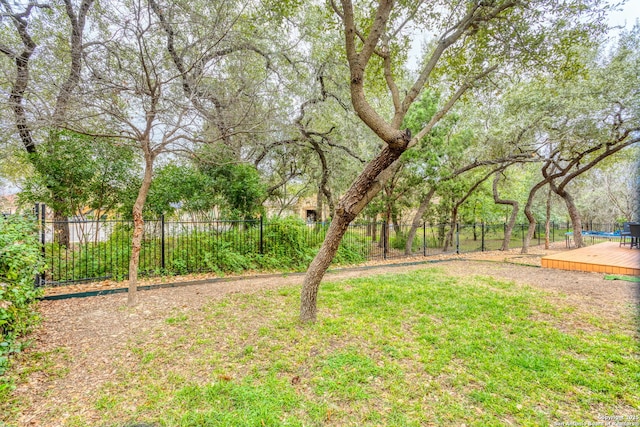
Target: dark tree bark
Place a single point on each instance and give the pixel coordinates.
(319, 265)
(384, 227)
(323, 185)
(21, 81)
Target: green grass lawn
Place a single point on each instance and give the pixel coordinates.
(395, 350)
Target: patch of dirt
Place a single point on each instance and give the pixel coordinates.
(513, 255)
(93, 331)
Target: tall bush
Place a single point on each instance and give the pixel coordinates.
(286, 243)
(20, 261)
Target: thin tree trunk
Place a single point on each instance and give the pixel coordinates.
(527, 209)
(417, 221)
(138, 231)
(448, 241)
(530, 230)
(441, 234)
(374, 229)
(514, 213)
(61, 228)
(396, 224)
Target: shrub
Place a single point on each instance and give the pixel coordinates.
(354, 249)
(223, 258)
(399, 241)
(20, 262)
(286, 240)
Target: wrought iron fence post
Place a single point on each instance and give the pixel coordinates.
(457, 238)
(261, 236)
(40, 210)
(384, 239)
(522, 231)
(162, 242)
(538, 227)
(424, 238)
(482, 248)
(553, 231)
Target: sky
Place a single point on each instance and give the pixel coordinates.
(627, 16)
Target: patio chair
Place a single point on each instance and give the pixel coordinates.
(635, 235)
(624, 233)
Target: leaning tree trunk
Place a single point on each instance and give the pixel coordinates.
(362, 190)
(576, 221)
(138, 231)
(529, 214)
(531, 230)
(319, 265)
(512, 219)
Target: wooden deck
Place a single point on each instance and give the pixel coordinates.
(606, 257)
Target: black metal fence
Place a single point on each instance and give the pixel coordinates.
(93, 250)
